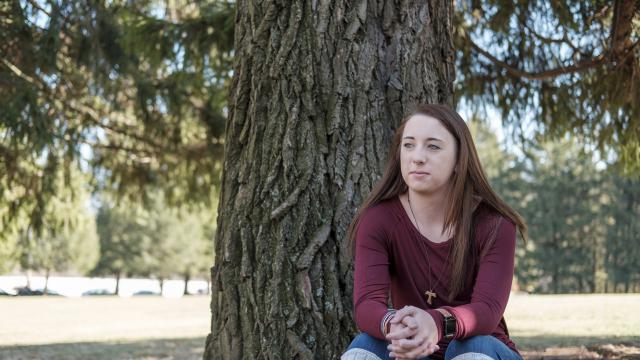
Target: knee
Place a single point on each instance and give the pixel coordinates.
(365, 347)
(472, 348)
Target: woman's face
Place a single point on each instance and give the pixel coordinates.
(427, 155)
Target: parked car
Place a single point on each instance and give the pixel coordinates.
(25, 291)
(97, 292)
(49, 292)
(145, 293)
(4, 293)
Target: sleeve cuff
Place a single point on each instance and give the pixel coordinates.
(438, 319)
(377, 333)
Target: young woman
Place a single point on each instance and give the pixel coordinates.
(434, 239)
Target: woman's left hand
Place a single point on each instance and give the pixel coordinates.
(407, 342)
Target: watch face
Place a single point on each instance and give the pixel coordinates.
(449, 326)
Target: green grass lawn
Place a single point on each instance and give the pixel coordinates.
(103, 327)
(543, 326)
(542, 320)
(593, 326)
(179, 349)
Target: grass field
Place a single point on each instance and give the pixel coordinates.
(576, 326)
(103, 327)
(543, 326)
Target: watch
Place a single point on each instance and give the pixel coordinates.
(448, 324)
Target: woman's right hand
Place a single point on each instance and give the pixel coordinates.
(417, 337)
(411, 327)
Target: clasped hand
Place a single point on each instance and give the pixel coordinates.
(413, 334)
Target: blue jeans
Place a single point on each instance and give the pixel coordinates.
(481, 347)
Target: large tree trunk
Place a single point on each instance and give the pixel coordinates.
(319, 87)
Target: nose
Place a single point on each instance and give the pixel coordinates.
(418, 161)
(418, 157)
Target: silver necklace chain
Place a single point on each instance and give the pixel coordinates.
(426, 254)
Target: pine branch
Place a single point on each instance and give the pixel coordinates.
(18, 72)
(549, 40)
(133, 153)
(619, 48)
(116, 129)
(540, 75)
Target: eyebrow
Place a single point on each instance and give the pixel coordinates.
(428, 139)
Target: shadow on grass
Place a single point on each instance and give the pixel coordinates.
(179, 349)
(531, 347)
(576, 347)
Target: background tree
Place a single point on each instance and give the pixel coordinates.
(121, 231)
(157, 240)
(9, 241)
(564, 190)
(622, 239)
(68, 239)
(178, 243)
(195, 229)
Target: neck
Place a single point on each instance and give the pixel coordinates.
(428, 208)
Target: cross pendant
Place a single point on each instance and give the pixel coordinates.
(430, 294)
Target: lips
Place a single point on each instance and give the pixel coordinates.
(419, 173)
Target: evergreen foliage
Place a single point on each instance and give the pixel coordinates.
(135, 93)
(555, 67)
(135, 90)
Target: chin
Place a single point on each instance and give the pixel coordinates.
(420, 189)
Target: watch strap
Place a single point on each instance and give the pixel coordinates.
(448, 323)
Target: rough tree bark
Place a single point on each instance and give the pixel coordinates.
(318, 88)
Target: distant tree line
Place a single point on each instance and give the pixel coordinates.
(584, 218)
(155, 241)
(121, 240)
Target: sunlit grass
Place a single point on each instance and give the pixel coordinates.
(48, 320)
(161, 328)
(177, 349)
(561, 320)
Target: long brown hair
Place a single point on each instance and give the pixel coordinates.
(469, 183)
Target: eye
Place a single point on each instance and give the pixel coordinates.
(434, 147)
(407, 145)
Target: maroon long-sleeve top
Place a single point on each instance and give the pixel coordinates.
(388, 258)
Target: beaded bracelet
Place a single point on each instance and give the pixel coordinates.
(387, 317)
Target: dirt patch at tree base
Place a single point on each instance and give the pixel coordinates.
(607, 351)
